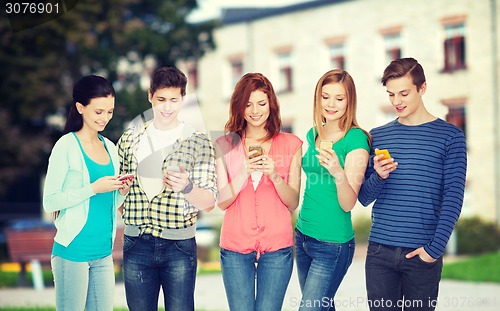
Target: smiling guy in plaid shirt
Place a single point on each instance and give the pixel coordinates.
(174, 166)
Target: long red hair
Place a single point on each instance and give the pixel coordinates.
(246, 85)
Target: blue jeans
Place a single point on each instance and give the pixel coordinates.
(150, 263)
(321, 266)
(84, 285)
(394, 281)
(241, 276)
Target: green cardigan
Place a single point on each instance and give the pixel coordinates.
(68, 190)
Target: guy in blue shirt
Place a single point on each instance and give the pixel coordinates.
(418, 199)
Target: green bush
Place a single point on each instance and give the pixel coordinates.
(362, 227)
(10, 279)
(476, 236)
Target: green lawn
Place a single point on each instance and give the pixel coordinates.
(54, 309)
(484, 268)
(50, 309)
(9, 279)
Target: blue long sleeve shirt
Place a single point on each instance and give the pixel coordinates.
(420, 202)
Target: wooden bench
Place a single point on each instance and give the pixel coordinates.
(26, 245)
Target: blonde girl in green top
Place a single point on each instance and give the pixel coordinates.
(324, 239)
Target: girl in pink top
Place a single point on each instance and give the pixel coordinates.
(258, 194)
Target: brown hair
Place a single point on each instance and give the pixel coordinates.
(403, 66)
(348, 120)
(246, 85)
(168, 77)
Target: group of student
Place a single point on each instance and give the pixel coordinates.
(253, 173)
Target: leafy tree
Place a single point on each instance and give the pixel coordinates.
(39, 66)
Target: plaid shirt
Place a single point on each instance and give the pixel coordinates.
(170, 210)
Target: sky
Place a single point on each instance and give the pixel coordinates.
(208, 9)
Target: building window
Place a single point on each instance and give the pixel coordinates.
(454, 47)
(457, 117)
(457, 114)
(193, 77)
(337, 59)
(285, 80)
(236, 71)
(392, 44)
(287, 125)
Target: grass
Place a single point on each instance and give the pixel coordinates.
(9, 278)
(49, 309)
(483, 268)
(54, 309)
(30, 309)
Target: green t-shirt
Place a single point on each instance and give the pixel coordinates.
(321, 216)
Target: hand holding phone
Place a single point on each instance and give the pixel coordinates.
(173, 168)
(126, 176)
(383, 170)
(385, 152)
(259, 152)
(326, 144)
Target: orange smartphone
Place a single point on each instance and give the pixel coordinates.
(385, 152)
(258, 153)
(325, 144)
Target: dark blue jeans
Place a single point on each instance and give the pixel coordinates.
(150, 262)
(256, 285)
(394, 282)
(321, 266)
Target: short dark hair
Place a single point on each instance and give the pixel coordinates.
(403, 66)
(168, 77)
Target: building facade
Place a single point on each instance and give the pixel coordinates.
(456, 41)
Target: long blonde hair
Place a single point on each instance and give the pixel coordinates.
(348, 120)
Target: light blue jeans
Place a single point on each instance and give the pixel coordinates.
(256, 285)
(321, 266)
(86, 285)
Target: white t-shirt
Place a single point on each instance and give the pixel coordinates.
(153, 148)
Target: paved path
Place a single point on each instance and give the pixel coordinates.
(210, 295)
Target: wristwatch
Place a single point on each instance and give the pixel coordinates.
(188, 188)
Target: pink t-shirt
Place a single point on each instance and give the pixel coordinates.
(258, 220)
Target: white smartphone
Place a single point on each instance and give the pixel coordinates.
(173, 168)
(126, 176)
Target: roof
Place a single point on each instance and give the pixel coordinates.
(242, 15)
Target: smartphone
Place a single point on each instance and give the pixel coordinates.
(173, 168)
(326, 144)
(126, 176)
(258, 153)
(385, 152)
